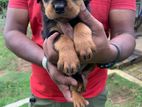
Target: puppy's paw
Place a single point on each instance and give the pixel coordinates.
(85, 49)
(83, 42)
(78, 100)
(68, 62)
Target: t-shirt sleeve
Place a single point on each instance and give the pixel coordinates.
(123, 4)
(22, 4)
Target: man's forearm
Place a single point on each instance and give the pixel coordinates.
(126, 42)
(23, 47)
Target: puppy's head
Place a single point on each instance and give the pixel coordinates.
(61, 9)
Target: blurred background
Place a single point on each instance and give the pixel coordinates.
(124, 82)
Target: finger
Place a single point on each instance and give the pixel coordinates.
(52, 37)
(45, 47)
(83, 7)
(67, 29)
(55, 74)
(66, 92)
(66, 80)
(60, 78)
(50, 40)
(49, 47)
(90, 20)
(50, 53)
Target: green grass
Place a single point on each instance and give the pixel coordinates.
(14, 85)
(119, 87)
(25, 105)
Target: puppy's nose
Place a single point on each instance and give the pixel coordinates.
(59, 8)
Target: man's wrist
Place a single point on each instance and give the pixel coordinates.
(115, 56)
(44, 62)
(117, 53)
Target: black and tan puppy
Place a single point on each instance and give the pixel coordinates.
(73, 52)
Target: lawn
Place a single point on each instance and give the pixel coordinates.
(14, 82)
(123, 93)
(14, 86)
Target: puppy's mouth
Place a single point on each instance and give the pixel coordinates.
(64, 19)
(65, 15)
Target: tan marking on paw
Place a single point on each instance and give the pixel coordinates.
(83, 41)
(68, 61)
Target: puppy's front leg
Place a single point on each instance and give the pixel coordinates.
(68, 61)
(83, 42)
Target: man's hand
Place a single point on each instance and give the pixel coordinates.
(104, 51)
(48, 48)
(63, 82)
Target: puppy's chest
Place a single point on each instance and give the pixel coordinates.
(74, 21)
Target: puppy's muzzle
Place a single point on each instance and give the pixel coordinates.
(59, 6)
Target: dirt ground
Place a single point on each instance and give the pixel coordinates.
(2, 73)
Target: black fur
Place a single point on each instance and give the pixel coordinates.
(47, 25)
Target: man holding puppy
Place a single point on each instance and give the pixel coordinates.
(50, 87)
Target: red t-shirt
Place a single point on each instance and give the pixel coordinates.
(41, 84)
